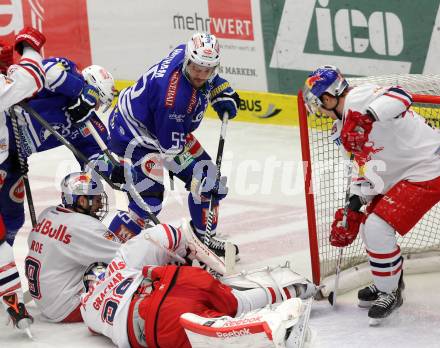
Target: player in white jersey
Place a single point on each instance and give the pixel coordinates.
(17, 82)
(398, 154)
(65, 241)
(136, 304)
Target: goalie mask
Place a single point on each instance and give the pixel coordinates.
(326, 79)
(95, 272)
(203, 50)
(103, 81)
(80, 184)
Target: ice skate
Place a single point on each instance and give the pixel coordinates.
(18, 314)
(369, 294)
(385, 304)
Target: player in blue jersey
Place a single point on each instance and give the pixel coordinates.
(152, 126)
(68, 98)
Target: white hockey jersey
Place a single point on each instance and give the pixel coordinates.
(105, 307)
(401, 145)
(22, 81)
(61, 247)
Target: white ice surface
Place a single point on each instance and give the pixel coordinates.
(265, 214)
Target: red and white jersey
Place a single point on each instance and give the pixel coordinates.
(22, 81)
(61, 247)
(401, 146)
(105, 306)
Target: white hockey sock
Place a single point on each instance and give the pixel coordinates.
(9, 277)
(248, 300)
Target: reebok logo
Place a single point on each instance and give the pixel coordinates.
(233, 333)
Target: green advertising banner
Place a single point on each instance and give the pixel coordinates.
(372, 37)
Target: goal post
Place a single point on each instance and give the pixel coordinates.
(324, 181)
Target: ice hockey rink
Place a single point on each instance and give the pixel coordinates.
(265, 215)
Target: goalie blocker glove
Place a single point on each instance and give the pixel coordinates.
(224, 98)
(82, 108)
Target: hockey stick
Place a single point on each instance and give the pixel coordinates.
(218, 163)
(129, 187)
(23, 167)
(125, 187)
(332, 295)
(230, 256)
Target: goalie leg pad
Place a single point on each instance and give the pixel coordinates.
(199, 251)
(282, 280)
(265, 327)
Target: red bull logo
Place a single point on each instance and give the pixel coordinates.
(310, 82)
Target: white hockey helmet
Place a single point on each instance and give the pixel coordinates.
(103, 81)
(202, 49)
(79, 184)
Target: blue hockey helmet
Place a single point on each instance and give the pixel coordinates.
(325, 79)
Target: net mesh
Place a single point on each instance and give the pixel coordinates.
(329, 180)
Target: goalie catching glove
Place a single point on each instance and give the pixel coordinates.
(224, 98)
(342, 236)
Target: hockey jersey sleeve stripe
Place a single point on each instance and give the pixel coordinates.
(58, 81)
(35, 65)
(401, 95)
(176, 236)
(39, 80)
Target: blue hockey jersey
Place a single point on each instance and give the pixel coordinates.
(160, 109)
(63, 85)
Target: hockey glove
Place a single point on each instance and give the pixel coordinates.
(205, 186)
(6, 58)
(341, 236)
(355, 131)
(82, 108)
(120, 175)
(224, 98)
(31, 37)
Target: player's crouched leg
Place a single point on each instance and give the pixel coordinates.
(199, 212)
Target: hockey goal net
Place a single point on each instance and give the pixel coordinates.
(325, 184)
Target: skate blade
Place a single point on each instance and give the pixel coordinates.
(365, 304)
(28, 333)
(375, 321)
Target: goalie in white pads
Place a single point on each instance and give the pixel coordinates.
(398, 154)
(139, 305)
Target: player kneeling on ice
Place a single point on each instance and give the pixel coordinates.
(398, 154)
(183, 306)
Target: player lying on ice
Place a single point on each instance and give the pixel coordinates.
(399, 156)
(152, 126)
(17, 82)
(69, 238)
